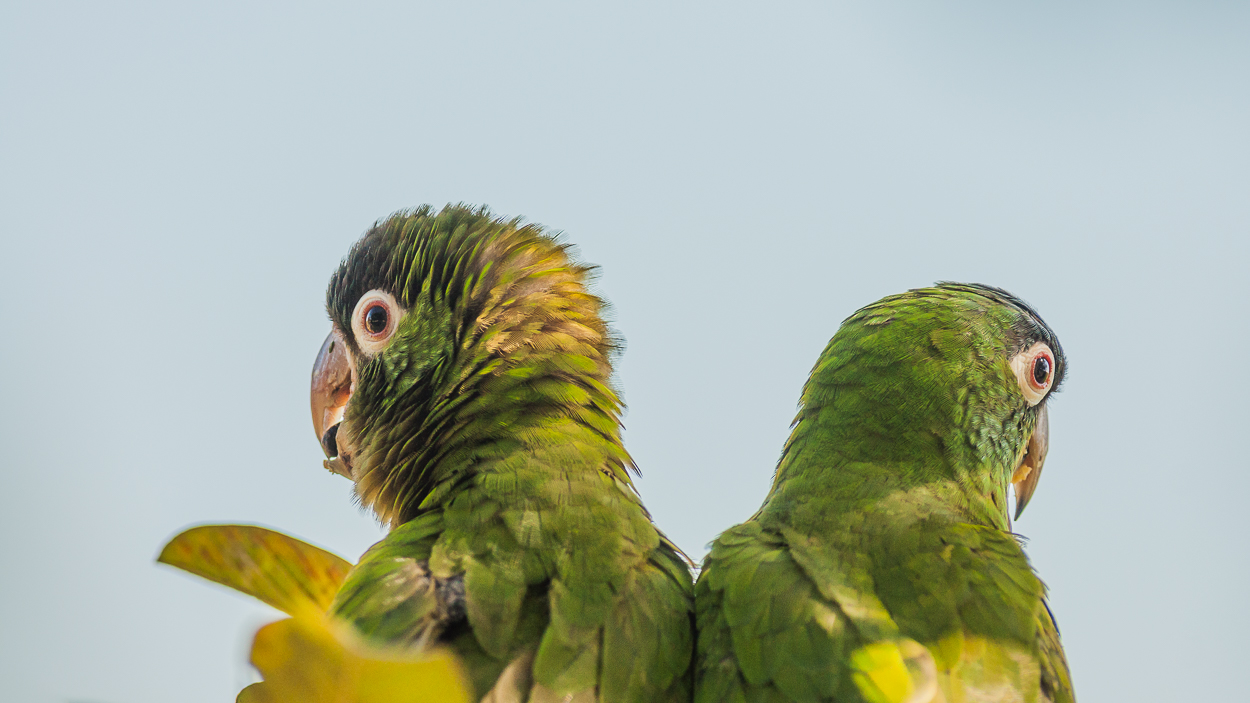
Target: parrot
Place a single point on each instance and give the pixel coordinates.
(465, 389)
(882, 566)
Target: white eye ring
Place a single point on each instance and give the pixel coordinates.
(374, 320)
(1035, 371)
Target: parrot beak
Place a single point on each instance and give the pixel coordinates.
(1025, 479)
(331, 389)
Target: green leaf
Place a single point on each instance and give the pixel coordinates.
(291, 575)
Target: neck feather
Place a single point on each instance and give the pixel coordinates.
(930, 433)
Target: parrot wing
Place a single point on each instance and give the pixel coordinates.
(391, 595)
(769, 631)
(967, 593)
(782, 617)
(1056, 680)
(523, 638)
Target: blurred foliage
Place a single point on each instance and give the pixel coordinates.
(308, 658)
(311, 660)
(274, 568)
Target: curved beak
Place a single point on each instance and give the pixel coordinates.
(1025, 479)
(331, 388)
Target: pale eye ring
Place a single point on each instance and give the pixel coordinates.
(374, 320)
(1035, 371)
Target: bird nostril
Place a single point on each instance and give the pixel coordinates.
(329, 441)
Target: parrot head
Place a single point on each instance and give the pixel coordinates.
(956, 374)
(452, 332)
(1038, 366)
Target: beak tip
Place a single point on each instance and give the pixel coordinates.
(1035, 458)
(335, 465)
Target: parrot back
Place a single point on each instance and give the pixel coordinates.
(533, 616)
(951, 614)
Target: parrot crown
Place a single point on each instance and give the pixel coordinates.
(949, 325)
(498, 336)
(1028, 326)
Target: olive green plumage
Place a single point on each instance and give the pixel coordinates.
(487, 434)
(881, 566)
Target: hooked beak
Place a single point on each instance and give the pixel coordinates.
(331, 389)
(1025, 479)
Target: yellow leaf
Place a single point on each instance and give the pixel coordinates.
(292, 576)
(311, 660)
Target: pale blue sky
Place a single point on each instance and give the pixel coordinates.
(178, 182)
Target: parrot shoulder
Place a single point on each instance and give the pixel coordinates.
(392, 594)
(969, 594)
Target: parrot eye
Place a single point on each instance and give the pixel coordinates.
(1041, 372)
(374, 320)
(1035, 371)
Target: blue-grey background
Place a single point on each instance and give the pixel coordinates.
(178, 180)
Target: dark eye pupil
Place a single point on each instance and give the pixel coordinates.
(375, 319)
(1041, 370)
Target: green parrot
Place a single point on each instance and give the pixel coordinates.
(465, 389)
(882, 566)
